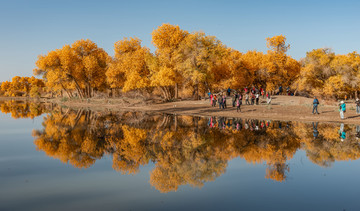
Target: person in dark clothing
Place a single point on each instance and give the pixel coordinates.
(240, 97)
(357, 102)
(234, 98)
(220, 101)
(315, 105)
(252, 99)
(228, 91)
(224, 102)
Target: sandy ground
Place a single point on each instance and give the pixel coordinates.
(287, 108)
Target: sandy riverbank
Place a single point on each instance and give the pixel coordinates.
(286, 108)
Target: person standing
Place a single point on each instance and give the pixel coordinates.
(252, 98)
(247, 99)
(214, 100)
(268, 98)
(234, 98)
(224, 102)
(228, 91)
(238, 105)
(220, 101)
(315, 105)
(211, 99)
(357, 102)
(257, 98)
(262, 92)
(342, 109)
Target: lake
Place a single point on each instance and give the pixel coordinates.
(57, 158)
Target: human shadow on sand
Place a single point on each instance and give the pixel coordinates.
(352, 117)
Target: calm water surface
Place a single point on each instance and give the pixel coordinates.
(54, 158)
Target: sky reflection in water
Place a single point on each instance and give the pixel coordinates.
(137, 161)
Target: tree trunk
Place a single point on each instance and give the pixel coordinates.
(197, 92)
(89, 91)
(168, 94)
(78, 88)
(79, 92)
(163, 92)
(67, 92)
(176, 91)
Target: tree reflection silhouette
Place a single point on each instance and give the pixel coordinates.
(186, 150)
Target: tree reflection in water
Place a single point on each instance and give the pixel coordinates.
(185, 149)
(20, 109)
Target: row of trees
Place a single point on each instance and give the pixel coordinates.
(22, 86)
(327, 74)
(194, 62)
(191, 64)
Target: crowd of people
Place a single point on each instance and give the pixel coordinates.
(250, 96)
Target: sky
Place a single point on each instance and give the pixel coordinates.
(29, 28)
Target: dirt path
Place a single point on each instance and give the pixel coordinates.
(287, 108)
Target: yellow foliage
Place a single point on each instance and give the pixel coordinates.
(128, 70)
(81, 65)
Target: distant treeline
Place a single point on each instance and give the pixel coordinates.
(188, 64)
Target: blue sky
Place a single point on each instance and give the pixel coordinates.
(32, 27)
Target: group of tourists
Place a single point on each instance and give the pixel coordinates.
(220, 99)
(251, 97)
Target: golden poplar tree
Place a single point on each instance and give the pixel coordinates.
(128, 70)
(281, 69)
(81, 65)
(164, 74)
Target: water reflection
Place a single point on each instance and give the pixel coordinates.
(185, 149)
(21, 109)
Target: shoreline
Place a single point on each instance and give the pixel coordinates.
(282, 108)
